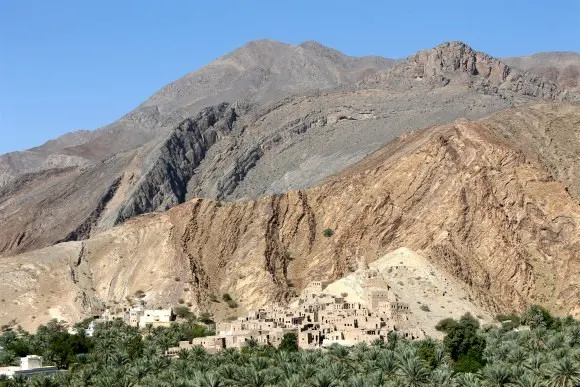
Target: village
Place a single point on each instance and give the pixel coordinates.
(318, 319)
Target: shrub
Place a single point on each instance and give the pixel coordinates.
(427, 352)
(177, 279)
(328, 232)
(467, 363)
(182, 312)
(205, 318)
(425, 308)
(289, 343)
(139, 294)
(226, 297)
(232, 304)
(181, 301)
(463, 339)
(537, 316)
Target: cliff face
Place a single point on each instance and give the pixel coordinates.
(478, 204)
(457, 62)
(561, 68)
(260, 71)
(66, 204)
(168, 150)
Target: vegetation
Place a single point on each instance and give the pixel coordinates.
(328, 232)
(232, 304)
(182, 312)
(548, 354)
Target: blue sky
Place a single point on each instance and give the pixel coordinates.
(65, 66)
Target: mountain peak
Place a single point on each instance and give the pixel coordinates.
(456, 61)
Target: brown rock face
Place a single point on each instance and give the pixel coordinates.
(455, 62)
(477, 200)
(285, 135)
(562, 68)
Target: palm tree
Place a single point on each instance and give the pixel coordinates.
(496, 375)
(528, 380)
(251, 344)
(467, 380)
(517, 356)
(323, 379)
(441, 376)
(563, 373)
(66, 379)
(358, 381)
(387, 363)
(207, 379)
(292, 381)
(307, 370)
(42, 381)
(250, 377)
(228, 371)
(412, 371)
(535, 363)
(184, 368)
(573, 336)
(18, 381)
(139, 370)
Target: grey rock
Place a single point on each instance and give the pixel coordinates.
(265, 119)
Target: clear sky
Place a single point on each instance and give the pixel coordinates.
(66, 66)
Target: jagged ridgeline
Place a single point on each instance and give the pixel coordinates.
(292, 141)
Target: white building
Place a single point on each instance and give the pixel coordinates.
(88, 332)
(29, 366)
(156, 318)
(134, 315)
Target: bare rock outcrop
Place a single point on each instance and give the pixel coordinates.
(480, 205)
(455, 61)
(562, 68)
(293, 116)
(67, 204)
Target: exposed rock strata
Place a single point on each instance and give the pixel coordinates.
(168, 150)
(479, 205)
(440, 65)
(71, 203)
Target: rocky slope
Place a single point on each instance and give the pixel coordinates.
(153, 158)
(260, 71)
(430, 293)
(478, 202)
(40, 209)
(457, 62)
(562, 68)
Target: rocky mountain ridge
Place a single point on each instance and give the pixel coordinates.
(257, 72)
(450, 60)
(473, 197)
(155, 158)
(561, 68)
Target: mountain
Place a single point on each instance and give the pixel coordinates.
(481, 200)
(260, 71)
(292, 116)
(561, 68)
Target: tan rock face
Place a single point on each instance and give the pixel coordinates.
(480, 204)
(292, 116)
